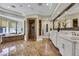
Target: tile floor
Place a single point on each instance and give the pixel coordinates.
(29, 48)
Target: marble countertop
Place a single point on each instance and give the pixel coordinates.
(70, 38)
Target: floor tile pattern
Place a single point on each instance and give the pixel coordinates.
(29, 48)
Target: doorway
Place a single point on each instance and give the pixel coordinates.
(31, 29)
(40, 27)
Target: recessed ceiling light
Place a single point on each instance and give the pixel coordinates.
(21, 5)
(13, 6)
(29, 5)
(40, 4)
(47, 4)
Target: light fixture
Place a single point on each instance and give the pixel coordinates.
(29, 5)
(13, 6)
(40, 4)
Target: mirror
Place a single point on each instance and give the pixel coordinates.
(75, 23)
(71, 24)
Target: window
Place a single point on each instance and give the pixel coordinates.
(7, 26)
(12, 27)
(3, 25)
(1, 30)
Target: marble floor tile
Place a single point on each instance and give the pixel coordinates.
(28, 48)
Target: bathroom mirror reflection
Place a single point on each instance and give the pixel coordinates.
(71, 24)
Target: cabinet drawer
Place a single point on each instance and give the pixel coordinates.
(65, 47)
(77, 49)
(77, 45)
(77, 52)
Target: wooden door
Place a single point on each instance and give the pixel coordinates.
(40, 27)
(31, 30)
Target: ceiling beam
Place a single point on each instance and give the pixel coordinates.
(66, 9)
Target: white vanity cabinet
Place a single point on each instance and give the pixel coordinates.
(67, 43)
(66, 47)
(53, 37)
(77, 49)
(59, 41)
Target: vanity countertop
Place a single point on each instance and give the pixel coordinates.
(70, 38)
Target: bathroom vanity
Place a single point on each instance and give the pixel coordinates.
(67, 42)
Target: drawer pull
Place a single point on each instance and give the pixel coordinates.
(63, 46)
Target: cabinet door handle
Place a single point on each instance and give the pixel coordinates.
(63, 46)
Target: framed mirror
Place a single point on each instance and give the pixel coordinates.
(71, 25)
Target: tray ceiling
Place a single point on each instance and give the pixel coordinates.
(20, 10)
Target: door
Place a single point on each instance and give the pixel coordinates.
(40, 27)
(31, 30)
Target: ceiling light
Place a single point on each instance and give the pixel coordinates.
(13, 6)
(47, 4)
(40, 4)
(21, 5)
(29, 5)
